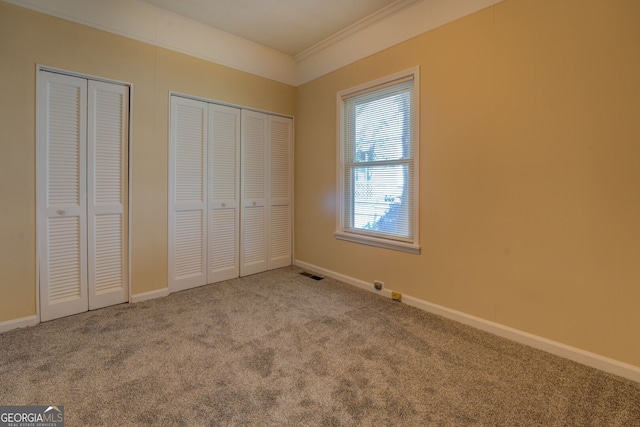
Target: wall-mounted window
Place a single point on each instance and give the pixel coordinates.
(378, 163)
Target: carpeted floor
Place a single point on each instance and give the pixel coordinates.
(281, 349)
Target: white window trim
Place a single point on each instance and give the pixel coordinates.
(357, 237)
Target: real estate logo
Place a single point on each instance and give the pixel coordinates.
(32, 416)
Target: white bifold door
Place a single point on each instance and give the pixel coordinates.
(229, 192)
(266, 192)
(204, 159)
(82, 194)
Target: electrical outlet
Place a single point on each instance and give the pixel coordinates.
(396, 296)
(378, 285)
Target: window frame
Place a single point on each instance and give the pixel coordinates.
(361, 236)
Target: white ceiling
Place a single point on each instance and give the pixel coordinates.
(289, 26)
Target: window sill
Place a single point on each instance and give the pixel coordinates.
(381, 243)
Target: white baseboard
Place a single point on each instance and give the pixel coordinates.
(22, 322)
(150, 295)
(33, 320)
(584, 357)
(341, 277)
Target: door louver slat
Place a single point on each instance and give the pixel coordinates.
(63, 144)
(65, 270)
(109, 271)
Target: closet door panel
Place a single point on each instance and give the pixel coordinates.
(254, 214)
(280, 191)
(62, 195)
(224, 193)
(107, 199)
(187, 194)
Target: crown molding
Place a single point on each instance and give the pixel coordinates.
(144, 22)
(354, 28)
(403, 25)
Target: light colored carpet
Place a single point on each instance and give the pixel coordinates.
(279, 348)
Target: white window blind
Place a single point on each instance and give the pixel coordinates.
(378, 164)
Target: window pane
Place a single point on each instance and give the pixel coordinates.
(382, 129)
(380, 199)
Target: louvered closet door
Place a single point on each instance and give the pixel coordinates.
(187, 194)
(107, 152)
(253, 233)
(62, 195)
(224, 193)
(280, 190)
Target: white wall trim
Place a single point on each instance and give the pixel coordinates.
(144, 22)
(381, 14)
(144, 296)
(401, 26)
(341, 277)
(584, 357)
(22, 322)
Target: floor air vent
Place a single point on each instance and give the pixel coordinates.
(312, 276)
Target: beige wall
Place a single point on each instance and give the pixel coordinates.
(28, 38)
(529, 171)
